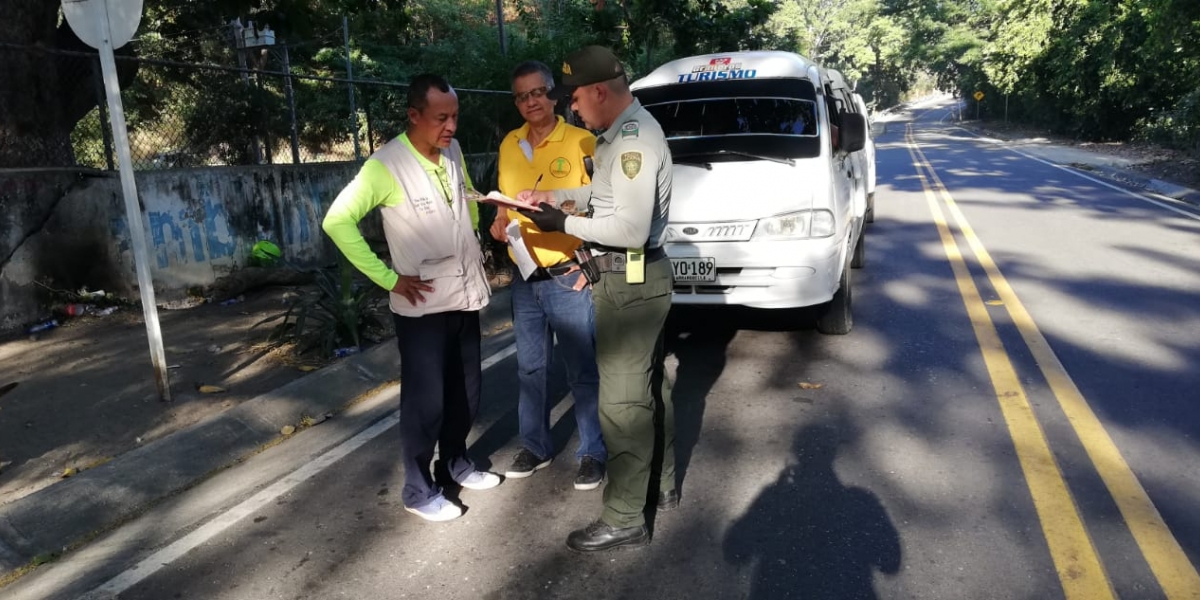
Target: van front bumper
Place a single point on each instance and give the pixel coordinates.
(775, 274)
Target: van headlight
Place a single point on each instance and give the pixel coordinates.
(796, 226)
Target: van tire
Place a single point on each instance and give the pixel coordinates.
(870, 214)
(859, 257)
(836, 318)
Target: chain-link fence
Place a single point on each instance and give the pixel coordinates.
(191, 115)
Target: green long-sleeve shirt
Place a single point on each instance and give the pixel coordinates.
(375, 186)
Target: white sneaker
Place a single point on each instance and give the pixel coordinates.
(480, 480)
(440, 509)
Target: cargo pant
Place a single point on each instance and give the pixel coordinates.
(637, 423)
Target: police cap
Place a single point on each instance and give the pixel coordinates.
(592, 64)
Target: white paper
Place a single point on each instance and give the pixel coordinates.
(500, 199)
(525, 262)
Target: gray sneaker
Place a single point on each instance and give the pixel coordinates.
(439, 509)
(480, 480)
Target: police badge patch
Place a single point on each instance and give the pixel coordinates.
(631, 164)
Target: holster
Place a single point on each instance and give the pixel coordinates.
(587, 264)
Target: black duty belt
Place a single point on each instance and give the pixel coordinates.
(562, 268)
(613, 260)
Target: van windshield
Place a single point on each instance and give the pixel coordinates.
(736, 116)
(729, 120)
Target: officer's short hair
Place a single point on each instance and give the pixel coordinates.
(618, 84)
(418, 89)
(530, 67)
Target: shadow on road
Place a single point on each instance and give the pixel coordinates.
(810, 536)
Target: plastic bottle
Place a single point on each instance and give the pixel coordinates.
(347, 351)
(76, 310)
(43, 326)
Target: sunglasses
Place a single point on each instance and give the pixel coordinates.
(536, 93)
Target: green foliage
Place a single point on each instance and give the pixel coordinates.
(87, 139)
(1102, 69)
(334, 315)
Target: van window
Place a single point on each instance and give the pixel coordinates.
(736, 116)
(773, 117)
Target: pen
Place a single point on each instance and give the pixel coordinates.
(535, 184)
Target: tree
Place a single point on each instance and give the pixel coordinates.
(38, 114)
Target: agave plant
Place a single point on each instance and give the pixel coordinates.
(334, 315)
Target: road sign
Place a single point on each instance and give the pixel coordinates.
(106, 25)
(978, 96)
(95, 20)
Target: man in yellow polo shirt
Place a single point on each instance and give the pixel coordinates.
(555, 301)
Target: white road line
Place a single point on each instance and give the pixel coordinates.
(1076, 173)
(504, 353)
(176, 550)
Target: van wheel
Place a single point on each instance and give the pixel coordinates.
(860, 251)
(870, 216)
(836, 318)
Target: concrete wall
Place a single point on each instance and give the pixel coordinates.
(67, 229)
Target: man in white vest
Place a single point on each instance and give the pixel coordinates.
(437, 282)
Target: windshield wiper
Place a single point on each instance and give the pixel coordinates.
(779, 159)
(695, 163)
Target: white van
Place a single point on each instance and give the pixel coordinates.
(869, 152)
(766, 209)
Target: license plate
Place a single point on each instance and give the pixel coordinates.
(694, 269)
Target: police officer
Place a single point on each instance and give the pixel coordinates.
(627, 201)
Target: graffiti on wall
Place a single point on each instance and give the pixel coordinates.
(195, 225)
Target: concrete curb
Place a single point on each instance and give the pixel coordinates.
(68, 513)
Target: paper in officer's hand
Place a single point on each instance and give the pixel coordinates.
(494, 197)
(525, 262)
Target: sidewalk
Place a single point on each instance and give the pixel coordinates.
(85, 400)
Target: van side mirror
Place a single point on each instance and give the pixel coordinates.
(852, 135)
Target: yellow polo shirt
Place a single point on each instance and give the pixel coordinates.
(559, 161)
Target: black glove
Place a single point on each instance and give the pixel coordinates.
(549, 219)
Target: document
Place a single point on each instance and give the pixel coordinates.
(494, 197)
(525, 263)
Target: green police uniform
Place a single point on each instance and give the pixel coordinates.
(628, 200)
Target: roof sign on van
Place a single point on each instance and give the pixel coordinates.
(718, 69)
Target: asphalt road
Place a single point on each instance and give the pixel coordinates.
(1014, 415)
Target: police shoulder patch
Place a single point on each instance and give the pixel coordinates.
(631, 164)
(629, 129)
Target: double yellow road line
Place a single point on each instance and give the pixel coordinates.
(1075, 557)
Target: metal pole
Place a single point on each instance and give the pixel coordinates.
(370, 130)
(500, 27)
(268, 145)
(133, 215)
(350, 87)
(104, 131)
(291, 100)
(240, 46)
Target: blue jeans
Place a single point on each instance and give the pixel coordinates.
(542, 311)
